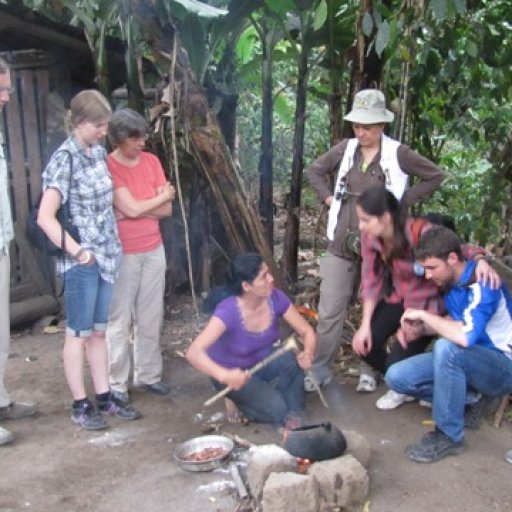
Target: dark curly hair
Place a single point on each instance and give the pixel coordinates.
(244, 267)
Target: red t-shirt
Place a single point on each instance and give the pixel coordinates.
(142, 181)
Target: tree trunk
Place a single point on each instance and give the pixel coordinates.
(201, 141)
(266, 155)
(291, 239)
(228, 100)
(366, 66)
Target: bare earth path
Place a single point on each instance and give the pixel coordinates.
(55, 467)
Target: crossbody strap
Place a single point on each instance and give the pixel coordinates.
(62, 231)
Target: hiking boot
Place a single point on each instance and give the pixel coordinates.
(392, 400)
(367, 383)
(6, 437)
(434, 446)
(116, 408)
(17, 411)
(475, 413)
(158, 388)
(85, 415)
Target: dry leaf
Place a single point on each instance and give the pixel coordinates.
(52, 329)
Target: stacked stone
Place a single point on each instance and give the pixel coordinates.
(336, 484)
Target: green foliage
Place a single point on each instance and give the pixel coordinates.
(280, 7)
(382, 38)
(247, 46)
(249, 127)
(192, 7)
(320, 15)
(459, 90)
(462, 110)
(441, 9)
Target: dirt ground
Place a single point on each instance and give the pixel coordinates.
(53, 466)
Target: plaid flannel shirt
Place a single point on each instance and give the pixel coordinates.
(413, 290)
(91, 203)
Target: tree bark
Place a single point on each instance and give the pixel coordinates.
(201, 140)
(366, 66)
(291, 239)
(266, 155)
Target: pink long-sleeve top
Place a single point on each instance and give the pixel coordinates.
(413, 290)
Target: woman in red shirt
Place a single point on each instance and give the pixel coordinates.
(142, 196)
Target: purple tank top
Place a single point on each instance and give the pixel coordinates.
(238, 347)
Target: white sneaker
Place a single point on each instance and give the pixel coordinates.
(392, 400)
(425, 403)
(367, 383)
(508, 456)
(5, 436)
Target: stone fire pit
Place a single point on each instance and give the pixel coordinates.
(341, 483)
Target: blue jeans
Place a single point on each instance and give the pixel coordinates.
(273, 394)
(87, 297)
(446, 375)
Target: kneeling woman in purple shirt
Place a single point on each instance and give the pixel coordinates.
(241, 332)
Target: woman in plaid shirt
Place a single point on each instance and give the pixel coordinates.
(77, 172)
(392, 281)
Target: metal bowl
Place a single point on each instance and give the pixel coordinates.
(200, 443)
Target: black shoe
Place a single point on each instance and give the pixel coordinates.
(475, 413)
(159, 388)
(87, 416)
(433, 447)
(116, 408)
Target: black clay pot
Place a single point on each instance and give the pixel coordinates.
(316, 442)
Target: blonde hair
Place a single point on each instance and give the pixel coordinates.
(89, 106)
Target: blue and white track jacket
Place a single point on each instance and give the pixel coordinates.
(486, 313)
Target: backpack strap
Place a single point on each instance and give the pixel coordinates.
(416, 228)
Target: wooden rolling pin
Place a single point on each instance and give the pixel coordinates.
(290, 344)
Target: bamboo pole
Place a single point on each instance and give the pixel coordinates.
(289, 344)
(177, 172)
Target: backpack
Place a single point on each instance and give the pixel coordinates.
(38, 238)
(417, 226)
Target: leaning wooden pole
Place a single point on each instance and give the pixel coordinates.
(175, 162)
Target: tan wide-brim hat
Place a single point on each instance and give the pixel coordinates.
(369, 107)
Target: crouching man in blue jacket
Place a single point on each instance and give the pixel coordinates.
(471, 362)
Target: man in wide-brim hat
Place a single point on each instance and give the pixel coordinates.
(369, 159)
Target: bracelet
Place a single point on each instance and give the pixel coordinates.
(88, 259)
(79, 253)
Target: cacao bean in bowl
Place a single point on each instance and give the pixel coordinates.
(203, 453)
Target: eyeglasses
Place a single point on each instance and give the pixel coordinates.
(8, 90)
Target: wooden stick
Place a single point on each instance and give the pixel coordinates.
(235, 475)
(244, 443)
(498, 417)
(318, 390)
(289, 344)
(172, 94)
